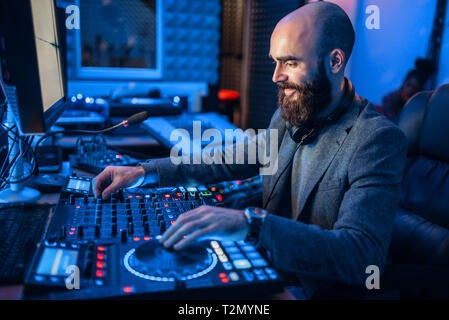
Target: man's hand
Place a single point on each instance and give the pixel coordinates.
(112, 178)
(206, 222)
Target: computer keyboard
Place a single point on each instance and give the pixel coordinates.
(21, 228)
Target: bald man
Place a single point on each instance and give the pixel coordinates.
(328, 211)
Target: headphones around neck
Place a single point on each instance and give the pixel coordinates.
(309, 131)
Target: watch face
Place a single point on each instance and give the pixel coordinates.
(259, 212)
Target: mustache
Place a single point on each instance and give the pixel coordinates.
(287, 85)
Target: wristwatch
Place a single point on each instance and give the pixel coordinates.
(255, 217)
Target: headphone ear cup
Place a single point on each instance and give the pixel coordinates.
(306, 130)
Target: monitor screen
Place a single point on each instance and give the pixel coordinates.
(48, 52)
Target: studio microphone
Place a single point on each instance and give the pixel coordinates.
(138, 117)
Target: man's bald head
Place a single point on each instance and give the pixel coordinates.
(332, 26)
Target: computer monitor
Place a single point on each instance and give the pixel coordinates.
(32, 63)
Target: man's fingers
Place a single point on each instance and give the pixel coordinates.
(182, 219)
(183, 230)
(114, 186)
(195, 237)
(101, 179)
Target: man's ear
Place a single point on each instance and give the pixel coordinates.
(336, 61)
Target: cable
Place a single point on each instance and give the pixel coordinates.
(135, 118)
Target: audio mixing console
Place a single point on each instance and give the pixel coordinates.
(113, 246)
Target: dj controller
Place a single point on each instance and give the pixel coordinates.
(94, 249)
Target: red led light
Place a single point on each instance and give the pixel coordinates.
(179, 194)
(100, 264)
(219, 197)
(130, 197)
(213, 189)
(166, 205)
(100, 256)
(224, 280)
(100, 248)
(125, 123)
(172, 222)
(146, 238)
(138, 197)
(136, 239)
(71, 233)
(222, 275)
(99, 273)
(239, 182)
(167, 196)
(118, 156)
(176, 199)
(127, 289)
(77, 207)
(72, 229)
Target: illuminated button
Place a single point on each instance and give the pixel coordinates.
(227, 243)
(258, 271)
(234, 276)
(242, 264)
(214, 244)
(101, 248)
(262, 276)
(202, 188)
(100, 256)
(54, 279)
(239, 182)
(39, 278)
(146, 238)
(222, 275)
(213, 189)
(72, 229)
(236, 256)
(71, 233)
(130, 197)
(219, 251)
(100, 264)
(248, 248)
(128, 289)
(225, 280)
(249, 276)
(219, 197)
(232, 250)
(227, 265)
(136, 239)
(99, 273)
(99, 282)
(138, 197)
(241, 242)
(259, 262)
(222, 258)
(167, 196)
(192, 189)
(254, 255)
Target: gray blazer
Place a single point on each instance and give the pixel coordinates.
(346, 212)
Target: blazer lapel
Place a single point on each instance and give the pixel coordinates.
(278, 180)
(328, 143)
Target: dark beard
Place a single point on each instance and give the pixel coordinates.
(310, 98)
